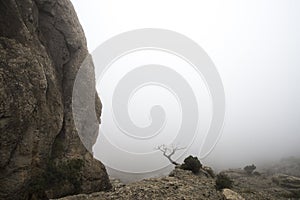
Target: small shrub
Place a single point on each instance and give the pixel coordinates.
(250, 168)
(57, 174)
(256, 173)
(191, 163)
(210, 171)
(37, 187)
(223, 181)
(65, 171)
(291, 194)
(296, 193)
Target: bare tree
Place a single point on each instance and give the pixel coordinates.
(168, 152)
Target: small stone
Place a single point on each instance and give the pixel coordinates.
(231, 195)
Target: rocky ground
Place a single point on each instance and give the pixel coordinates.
(182, 184)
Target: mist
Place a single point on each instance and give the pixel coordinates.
(255, 47)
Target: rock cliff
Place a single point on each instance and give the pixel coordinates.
(42, 46)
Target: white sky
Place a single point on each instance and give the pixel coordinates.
(255, 45)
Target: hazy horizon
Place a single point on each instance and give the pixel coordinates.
(254, 45)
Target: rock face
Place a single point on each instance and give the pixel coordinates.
(290, 183)
(264, 186)
(286, 181)
(42, 46)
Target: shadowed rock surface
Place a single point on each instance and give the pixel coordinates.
(42, 46)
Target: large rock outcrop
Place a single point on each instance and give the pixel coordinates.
(42, 46)
(290, 183)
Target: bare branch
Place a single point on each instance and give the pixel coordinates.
(168, 152)
(179, 148)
